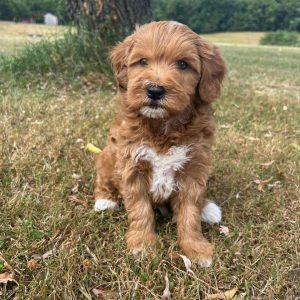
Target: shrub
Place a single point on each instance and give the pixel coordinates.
(70, 56)
(283, 38)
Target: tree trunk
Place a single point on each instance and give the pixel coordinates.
(113, 19)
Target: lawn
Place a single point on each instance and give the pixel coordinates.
(13, 36)
(57, 247)
(244, 38)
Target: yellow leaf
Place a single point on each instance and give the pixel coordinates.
(93, 148)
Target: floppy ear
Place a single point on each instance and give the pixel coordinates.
(213, 71)
(119, 58)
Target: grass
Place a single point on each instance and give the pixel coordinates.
(281, 38)
(46, 192)
(245, 38)
(14, 36)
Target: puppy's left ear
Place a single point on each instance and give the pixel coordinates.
(119, 58)
(213, 70)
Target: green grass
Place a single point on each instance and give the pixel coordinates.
(281, 38)
(244, 38)
(14, 36)
(63, 59)
(43, 130)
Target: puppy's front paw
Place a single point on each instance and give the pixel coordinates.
(103, 204)
(138, 243)
(198, 250)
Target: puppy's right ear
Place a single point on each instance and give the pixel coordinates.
(119, 58)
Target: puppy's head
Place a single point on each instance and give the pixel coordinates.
(164, 68)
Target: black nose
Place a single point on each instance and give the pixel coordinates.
(155, 92)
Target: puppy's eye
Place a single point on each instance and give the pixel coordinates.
(143, 62)
(181, 64)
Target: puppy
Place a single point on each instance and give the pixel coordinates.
(159, 145)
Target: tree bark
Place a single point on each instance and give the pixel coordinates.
(111, 18)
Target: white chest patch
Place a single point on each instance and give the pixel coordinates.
(163, 168)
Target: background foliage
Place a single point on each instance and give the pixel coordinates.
(200, 15)
(19, 10)
(228, 15)
(281, 38)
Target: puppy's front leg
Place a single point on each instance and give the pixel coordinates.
(141, 232)
(187, 207)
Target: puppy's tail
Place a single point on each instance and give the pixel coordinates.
(211, 212)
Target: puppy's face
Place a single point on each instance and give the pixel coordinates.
(164, 68)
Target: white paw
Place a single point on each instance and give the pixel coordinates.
(211, 213)
(103, 204)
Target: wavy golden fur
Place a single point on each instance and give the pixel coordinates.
(159, 145)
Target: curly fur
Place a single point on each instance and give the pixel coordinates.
(162, 154)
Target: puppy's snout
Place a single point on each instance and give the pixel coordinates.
(155, 92)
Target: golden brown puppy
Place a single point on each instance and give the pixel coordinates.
(159, 145)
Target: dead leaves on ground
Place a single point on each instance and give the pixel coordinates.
(86, 264)
(32, 264)
(187, 264)
(227, 295)
(224, 230)
(263, 184)
(104, 294)
(166, 294)
(7, 277)
(46, 255)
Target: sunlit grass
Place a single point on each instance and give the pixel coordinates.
(14, 36)
(246, 38)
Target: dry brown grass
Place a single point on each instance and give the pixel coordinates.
(43, 131)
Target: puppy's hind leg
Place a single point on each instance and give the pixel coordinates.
(105, 191)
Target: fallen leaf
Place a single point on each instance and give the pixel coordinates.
(224, 230)
(187, 264)
(86, 263)
(6, 276)
(48, 254)
(166, 294)
(32, 264)
(75, 189)
(105, 294)
(224, 295)
(251, 138)
(276, 184)
(267, 164)
(76, 200)
(36, 256)
(262, 183)
(92, 148)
